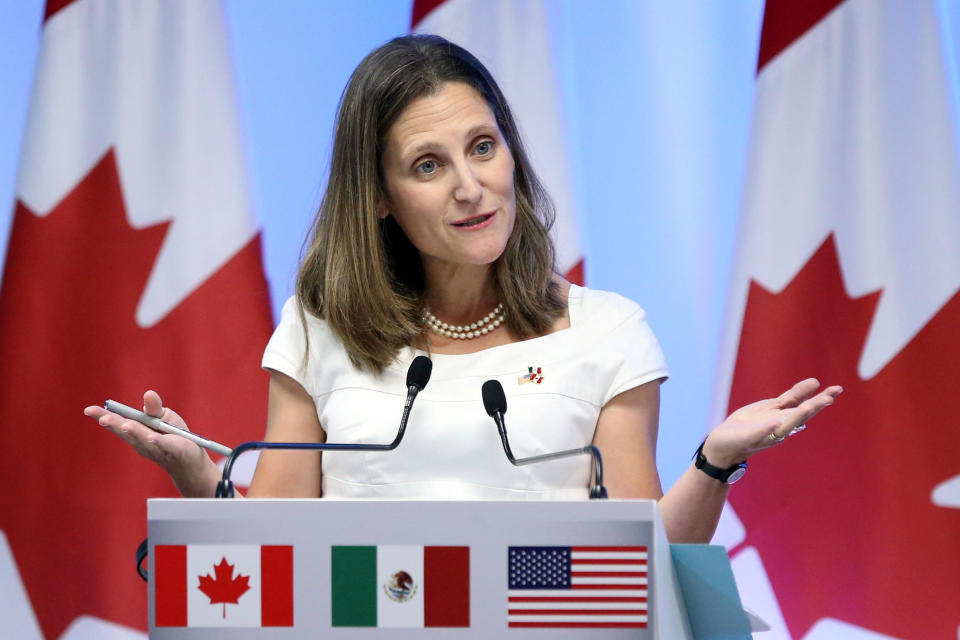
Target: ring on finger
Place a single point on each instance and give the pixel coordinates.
(797, 430)
(775, 438)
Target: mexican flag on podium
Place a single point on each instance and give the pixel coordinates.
(400, 586)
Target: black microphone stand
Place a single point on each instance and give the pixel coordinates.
(417, 377)
(495, 402)
(225, 486)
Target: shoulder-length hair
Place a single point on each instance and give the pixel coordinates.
(360, 272)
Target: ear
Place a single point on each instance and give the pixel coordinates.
(383, 210)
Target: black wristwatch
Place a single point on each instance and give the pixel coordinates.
(728, 475)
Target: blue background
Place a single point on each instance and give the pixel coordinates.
(659, 97)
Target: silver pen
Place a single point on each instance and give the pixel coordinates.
(157, 424)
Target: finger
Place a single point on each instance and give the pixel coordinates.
(94, 411)
(129, 430)
(797, 417)
(152, 404)
(797, 393)
(159, 447)
(172, 417)
(141, 438)
(107, 419)
(164, 449)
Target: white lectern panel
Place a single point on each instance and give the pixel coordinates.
(411, 569)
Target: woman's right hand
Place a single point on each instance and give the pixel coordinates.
(192, 470)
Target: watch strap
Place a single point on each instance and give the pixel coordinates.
(728, 475)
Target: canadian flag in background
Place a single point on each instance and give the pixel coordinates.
(134, 262)
(513, 40)
(847, 269)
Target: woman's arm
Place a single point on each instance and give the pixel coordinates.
(191, 469)
(291, 417)
(627, 437)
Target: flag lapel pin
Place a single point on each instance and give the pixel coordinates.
(533, 374)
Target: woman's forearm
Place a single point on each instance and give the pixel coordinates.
(196, 483)
(691, 508)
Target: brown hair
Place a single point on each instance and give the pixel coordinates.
(360, 272)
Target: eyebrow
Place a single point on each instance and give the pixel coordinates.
(432, 146)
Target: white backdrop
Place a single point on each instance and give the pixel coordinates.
(659, 96)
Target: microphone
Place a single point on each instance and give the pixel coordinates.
(417, 377)
(495, 402)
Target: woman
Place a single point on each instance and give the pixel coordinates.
(432, 237)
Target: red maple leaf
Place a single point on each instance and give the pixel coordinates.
(842, 515)
(73, 506)
(224, 588)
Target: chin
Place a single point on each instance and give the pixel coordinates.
(489, 257)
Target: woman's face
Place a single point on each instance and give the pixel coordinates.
(449, 178)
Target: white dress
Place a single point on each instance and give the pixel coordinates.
(451, 449)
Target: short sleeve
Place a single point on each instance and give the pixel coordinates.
(635, 355)
(285, 351)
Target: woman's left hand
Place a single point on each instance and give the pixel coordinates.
(766, 423)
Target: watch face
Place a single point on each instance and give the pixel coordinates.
(736, 475)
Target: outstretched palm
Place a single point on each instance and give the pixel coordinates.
(766, 423)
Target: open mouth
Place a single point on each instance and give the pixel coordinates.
(473, 222)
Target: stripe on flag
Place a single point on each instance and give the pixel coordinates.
(223, 586)
(847, 268)
(577, 587)
(132, 103)
(400, 586)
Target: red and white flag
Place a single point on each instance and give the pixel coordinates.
(577, 587)
(134, 262)
(223, 586)
(514, 41)
(847, 269)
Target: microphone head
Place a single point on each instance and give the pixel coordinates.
(494, 401)
(418, 375)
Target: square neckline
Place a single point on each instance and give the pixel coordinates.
(574, 300)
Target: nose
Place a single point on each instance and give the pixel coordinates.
(468, 188)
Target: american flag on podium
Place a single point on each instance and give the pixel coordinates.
(577, 587)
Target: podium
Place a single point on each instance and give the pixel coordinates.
(411, 569)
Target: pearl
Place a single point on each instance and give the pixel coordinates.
(468, 331)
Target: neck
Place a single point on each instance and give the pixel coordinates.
(461, 293)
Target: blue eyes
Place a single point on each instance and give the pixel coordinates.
(429, 167)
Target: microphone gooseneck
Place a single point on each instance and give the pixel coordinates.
(417, 377)
(495, 403)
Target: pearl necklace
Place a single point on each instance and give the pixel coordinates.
(465, 332)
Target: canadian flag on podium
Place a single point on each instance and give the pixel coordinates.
(847, 269)
(134, 262)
